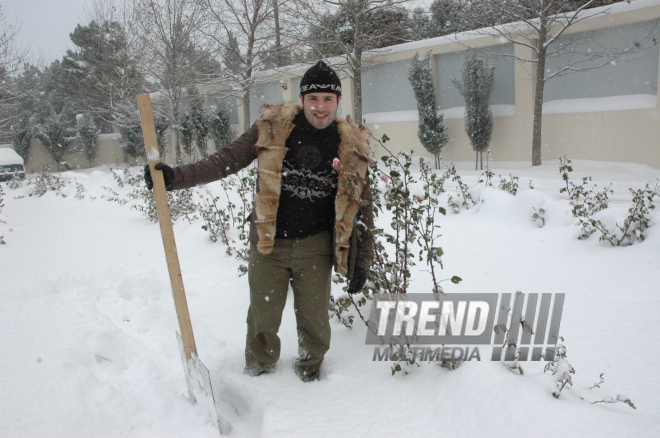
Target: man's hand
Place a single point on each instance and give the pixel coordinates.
(358, 281)
(168, 175)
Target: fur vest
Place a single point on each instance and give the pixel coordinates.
(274, 127)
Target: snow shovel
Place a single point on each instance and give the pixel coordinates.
(197, 375)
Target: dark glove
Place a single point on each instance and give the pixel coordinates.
(168, 175)
(358, 281)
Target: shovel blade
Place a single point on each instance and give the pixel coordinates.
(200, 390)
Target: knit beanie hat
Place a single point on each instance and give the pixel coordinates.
(320, 79)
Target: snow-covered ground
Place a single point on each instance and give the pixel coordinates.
(87, 325)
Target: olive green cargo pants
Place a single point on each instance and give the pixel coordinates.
(307, 264)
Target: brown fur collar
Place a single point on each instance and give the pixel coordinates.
(275, 126)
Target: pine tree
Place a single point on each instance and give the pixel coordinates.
(432, 132)
(87, 136)
(21, 138)
(100, 73)
(127, 120)
(478, 80)
(219, 127)
(199, 123)
(186, 130)
(56, 133)
(420, 26)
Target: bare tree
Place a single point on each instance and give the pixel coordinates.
(243, 33)
(538, 25)
(349, 28)
(12, 56)
(178, 55)
(11, 53)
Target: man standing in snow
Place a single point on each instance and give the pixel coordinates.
(312, 189)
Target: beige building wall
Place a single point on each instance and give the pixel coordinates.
(109, 152)
(626, 135)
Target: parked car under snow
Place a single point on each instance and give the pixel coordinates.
(10, 164)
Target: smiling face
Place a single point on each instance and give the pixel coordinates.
(320, 108)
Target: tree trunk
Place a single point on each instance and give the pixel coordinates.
(539, 82)
(476, 160)
(177, 141)
(246, 109)
(278, 44)
(357, 89)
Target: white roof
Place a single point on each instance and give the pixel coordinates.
(9, 156)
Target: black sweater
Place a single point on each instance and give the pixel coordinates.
(309, 182)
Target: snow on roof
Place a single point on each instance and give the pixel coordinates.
(9, 156)
(612, 9)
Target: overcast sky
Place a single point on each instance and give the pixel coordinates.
(46, 24)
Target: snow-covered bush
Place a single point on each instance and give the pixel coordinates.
(45, 181)
(227, 221)
(463, 196)
(413, 205)
(539, 216)
(586, 202)
(413, 228)
(560, 368)
(637, 221)
(509, 185)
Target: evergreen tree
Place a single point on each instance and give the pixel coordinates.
(447, 17)
(87, 136)
(186, 130)
(478, 80)
(55, 132)
(100, 73)
(25, 99)
(432, 132)
(199, 123)
(219, 127)
(132, 140)
(420, 25)
(127, 120)
(21, 137)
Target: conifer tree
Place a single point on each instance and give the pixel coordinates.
(478, 80)
(87, 136)
(21, 137)
(432, 131)
(55, 132)
(127, 121)
(198, 123)
(219, 127)
(186, 130)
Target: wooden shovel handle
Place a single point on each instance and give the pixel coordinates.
(165, 220)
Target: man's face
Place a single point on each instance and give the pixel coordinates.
(320, 108)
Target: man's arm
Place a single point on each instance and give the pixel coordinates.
(228, 161)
